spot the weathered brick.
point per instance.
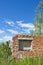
(37, 46)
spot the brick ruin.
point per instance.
(37, 46)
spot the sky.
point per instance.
(16, 17)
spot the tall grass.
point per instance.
(23, 61)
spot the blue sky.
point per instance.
(16, 17)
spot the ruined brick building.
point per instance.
(25, 45)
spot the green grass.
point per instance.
(23, 61)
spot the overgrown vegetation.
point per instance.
(5, 57)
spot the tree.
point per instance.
(38, 20)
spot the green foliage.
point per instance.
(5, 57)
(38, 24)
(5, 51)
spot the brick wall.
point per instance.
(37, 46)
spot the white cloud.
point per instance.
(8, 21)
(11, 23)
(1, 39)
(12, 31)
(1, 31)
(26, 31)
(25, 25)
(6, 38)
